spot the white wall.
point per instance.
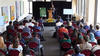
(8, 3)
(91, 12)
(98, 12)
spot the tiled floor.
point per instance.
(51, 45)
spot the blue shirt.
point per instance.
(97, 33)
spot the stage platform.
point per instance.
(49, 24)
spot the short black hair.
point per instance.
(77, 50)
(10, 22)
(98, 41)
(97, 26)
(62, 25)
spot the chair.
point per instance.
(32, 52)
(25, 35)
(65, 45)
(13, 53)
(86, 52)
(36, 30)
(20, 30)
(92, 43)
(71, 51)
(2, 52)
(97, 38)
(7, 43)
(97, 52)
(32, 45)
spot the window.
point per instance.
(98, 12)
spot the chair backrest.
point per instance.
(7, 43)
(32, 53)
(20, 30)
(97, 38)
(86, 52)
(92, 43)
(71, 51)
(2, 52)
(14, 53)
(25, 34)
(32, 45)
(65, 45)
(97, 53)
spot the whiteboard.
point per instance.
(67, 11)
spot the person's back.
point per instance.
(97, 33)
(10, 26)
(77, 52)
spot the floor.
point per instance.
(51, 45)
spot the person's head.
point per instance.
(66, 35)
(97, 27)
(59, 17)
(91, 26)
(16, 19)
(41, 18)
(69, 23)
(81, 26)
(98, 41)
(32, 17)
(85, 38)
(36, 24)
(62, 25)
(77, 50)
(10, 23)
(30, 20)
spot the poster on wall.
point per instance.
(12, 13)
(17, 3)
(2, 20)
(5, 14)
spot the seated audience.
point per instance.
(62, 30)
(16, 22)
(27, 29)
(91, 37)
(30, 23)
(91, 28)
(70, 25)
(33, 20)
(10, 26)
(66, 38)
(59, 19)
(37, 27)
(85, 44)
(96, 47)
(21, 26)
(40, 21)
(97, 33)
(86, 27)
(77, 52)
(82, 30)
(16, 46)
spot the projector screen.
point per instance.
(67, 11)
(43, 12)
